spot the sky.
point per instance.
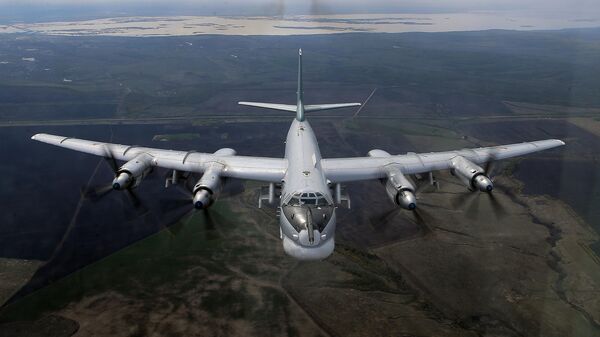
(47, 10)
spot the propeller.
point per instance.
(472, 200)
(497, 206)
(184, 202)
(208, 219)
(491, 165)
(95, 193)
(420, 216)
(465, 199)
(423, 184)
(185, 187)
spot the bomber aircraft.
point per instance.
(308, 186)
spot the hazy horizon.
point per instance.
(55, 10)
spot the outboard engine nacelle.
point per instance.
(400, 189)
(471, 175)
(133, 172)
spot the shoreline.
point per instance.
(161, 26)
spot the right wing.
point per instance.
(366, 168)
(317, 107)
(241, 167)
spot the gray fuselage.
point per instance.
(307, 210)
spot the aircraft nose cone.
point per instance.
(116, 186)
(412, 206)
(198, 205)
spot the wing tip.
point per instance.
(558, 142)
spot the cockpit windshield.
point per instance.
(317, 199)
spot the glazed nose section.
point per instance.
(308, 221)
(309, 237)
(308, 234)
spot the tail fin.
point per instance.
(300, 91)
(299, 108)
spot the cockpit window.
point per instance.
(308, 199)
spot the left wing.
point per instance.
(365, 168)
(241, 167)
(273, 106)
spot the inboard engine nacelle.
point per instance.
(133, 172)
(400, 190)
(207, 189)
(471, 174)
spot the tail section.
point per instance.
(299, 108)
(299, 91)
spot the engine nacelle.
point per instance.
(133, 172)
(207, 189)
(400, 189)
(471, 174)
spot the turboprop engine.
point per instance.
(133, 172)
(471, 175)
(400, 190)
(207, 189)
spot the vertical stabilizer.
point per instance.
(299, 108)
(299, 93)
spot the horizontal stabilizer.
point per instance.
(317, 107)
(274, 106)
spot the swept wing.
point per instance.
(241, 167)
(366, 168)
